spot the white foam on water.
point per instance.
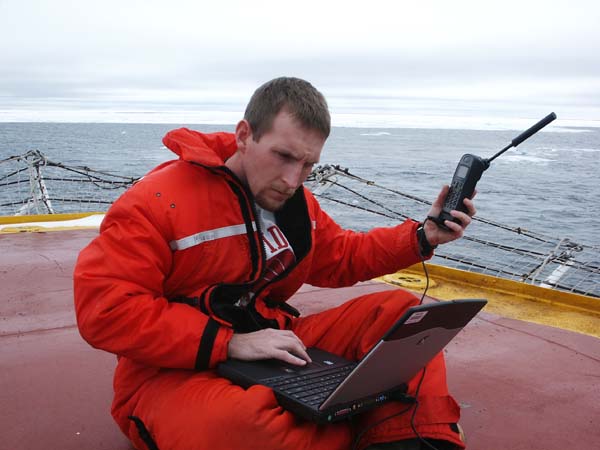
(458, 122)
(566, 149)
(527, 158)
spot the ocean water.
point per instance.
(548, 184)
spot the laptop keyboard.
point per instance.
(311, 388)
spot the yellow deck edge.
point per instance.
(35, 223)
(7, 220)
(39, 229)
(507, 298)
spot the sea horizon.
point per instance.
(338, 120)
(350, 111)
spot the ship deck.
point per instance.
(521, 385)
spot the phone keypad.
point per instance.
(453, 197)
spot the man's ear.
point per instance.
(243, 133)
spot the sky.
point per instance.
(379, 63)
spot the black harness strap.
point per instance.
(206, 344)
(144, 433)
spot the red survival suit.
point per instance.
(160, 285)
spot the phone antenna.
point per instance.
(525, 135)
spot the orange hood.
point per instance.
(211, 149)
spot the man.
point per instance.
(194, 263)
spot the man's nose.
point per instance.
(293, 175)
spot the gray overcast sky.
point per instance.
(433, 56)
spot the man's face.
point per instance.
(279, 163)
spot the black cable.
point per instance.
(412, 417)
(370, 427)
(424, 269)
(414, 399)
(426, 278)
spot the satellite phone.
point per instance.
(469, 170)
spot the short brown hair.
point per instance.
(300, 98)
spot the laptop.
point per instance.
(332, 388)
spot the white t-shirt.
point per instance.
(279, 252)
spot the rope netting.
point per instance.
(33, 184)
(490, 247)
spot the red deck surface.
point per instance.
(521, 386)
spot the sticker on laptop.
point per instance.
(416, 317)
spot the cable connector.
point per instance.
(403, 397)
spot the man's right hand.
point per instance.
(269, 343)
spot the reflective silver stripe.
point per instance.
(210, 235)
(314, 224)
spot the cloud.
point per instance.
(213, 54)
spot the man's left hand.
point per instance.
(437, 235)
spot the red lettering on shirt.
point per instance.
(276, 239)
